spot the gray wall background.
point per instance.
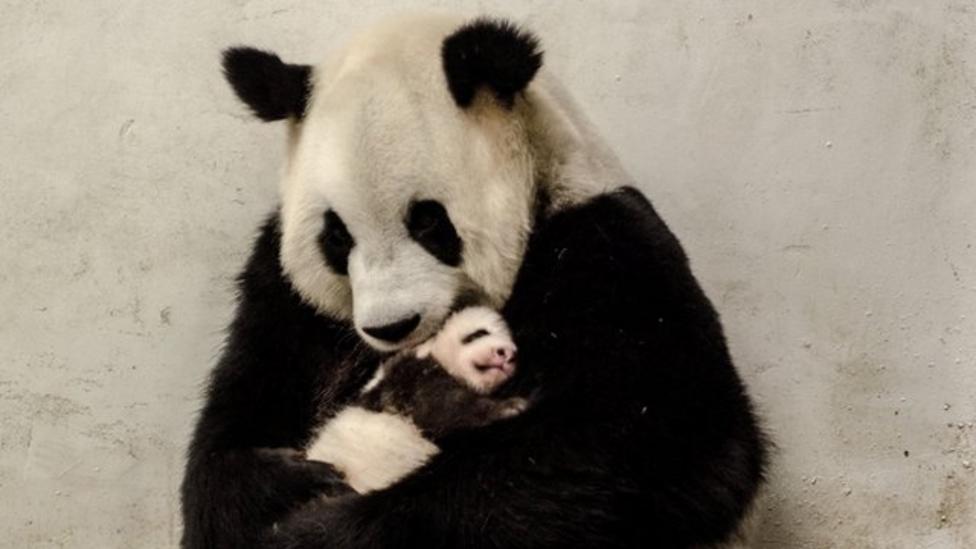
(818, 160)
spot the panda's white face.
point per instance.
(396, 200)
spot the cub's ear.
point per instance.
(271, 88)
(492, 53)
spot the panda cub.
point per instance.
(419, 395)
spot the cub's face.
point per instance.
(402, 192)
(475, 347)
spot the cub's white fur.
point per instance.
(382, 130)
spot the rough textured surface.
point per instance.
(819, 164)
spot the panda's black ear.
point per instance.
(271, 88)
(492, 53)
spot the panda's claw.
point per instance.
(512, 407)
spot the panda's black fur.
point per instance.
(642, 434)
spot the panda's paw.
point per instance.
(512, 407)
(325, 479)
(290, 469)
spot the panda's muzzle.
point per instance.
(394, 332)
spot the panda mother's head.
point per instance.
(410, 177)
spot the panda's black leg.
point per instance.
(250, 489)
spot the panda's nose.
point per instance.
(392, 333)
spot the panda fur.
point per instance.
(642, 435)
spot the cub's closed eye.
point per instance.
(477, 334)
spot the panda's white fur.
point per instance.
(381, 130)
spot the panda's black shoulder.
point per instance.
(264, 288)
(262, 272)
(271, 313)
(625, 212)
(280, 350)
(618, 229)
(607, 312)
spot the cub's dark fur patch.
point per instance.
(273, 89)
(493, 53)
(438, 404)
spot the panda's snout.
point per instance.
(394, 332)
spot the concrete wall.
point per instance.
(818, 159)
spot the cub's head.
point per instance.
(475, 347)
(410, 178)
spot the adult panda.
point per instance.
(428, 162)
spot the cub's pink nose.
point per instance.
(506, 353)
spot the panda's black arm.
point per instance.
(280, 363)
(643, 436)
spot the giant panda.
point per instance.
(430, 160)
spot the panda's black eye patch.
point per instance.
(428, 224)
(336, 243)
(475, 335)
